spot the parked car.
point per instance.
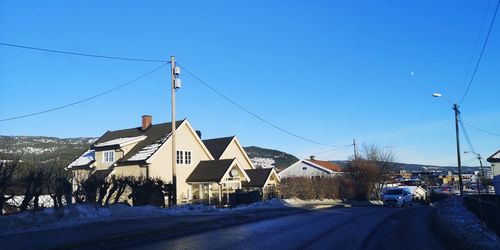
(397, 197)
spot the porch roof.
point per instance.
(210, 171)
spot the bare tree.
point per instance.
(32, 178)
(370, 171)
(58, 185)
(8, 167)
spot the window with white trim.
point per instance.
(108, 156)
(304, 168)
(180, 157)
(187, 157)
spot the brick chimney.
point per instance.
(147, 120)
(311, 157)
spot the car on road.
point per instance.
(397, 197)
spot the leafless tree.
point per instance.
(32, 178)
(370, 171)
(8, 167)
(58, 185)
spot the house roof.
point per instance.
(102, 174)
(258, 177)
(494, 157)
(217, 146)
(210, 171)
(326, 164)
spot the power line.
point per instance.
(86, 99)
(81, 54)
(252, 113)
(481, 54)
(482, 130)
(464, 131)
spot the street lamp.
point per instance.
(457, 112)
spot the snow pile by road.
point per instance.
(461, 228)
(78, 214)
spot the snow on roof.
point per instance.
(147, 151)
(121, 141)
(84, 159)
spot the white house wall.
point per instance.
(296, 170)
(233, 151)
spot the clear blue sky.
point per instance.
(327, 71)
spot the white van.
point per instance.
(398, 197)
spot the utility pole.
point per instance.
(482, 173)
(355, 151)
(174, 152)
(457, 113)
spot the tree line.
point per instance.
(23, 184)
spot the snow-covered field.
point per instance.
(78, 214)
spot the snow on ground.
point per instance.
(456, 223)
(77, 214)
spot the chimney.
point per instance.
(198, 133)
(147, 120)
(311, 157)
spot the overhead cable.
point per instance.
(80, 54)
(85, 99)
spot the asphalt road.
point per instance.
(337, 228)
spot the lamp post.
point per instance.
(459, 162)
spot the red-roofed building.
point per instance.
(311, 168)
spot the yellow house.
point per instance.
(205, 169)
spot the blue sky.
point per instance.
(328, 71)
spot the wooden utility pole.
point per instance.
(174, 152)
(355, 151)
(457, 114)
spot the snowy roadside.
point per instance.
(79, 214)
(460, 228)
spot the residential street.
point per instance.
(337, 228)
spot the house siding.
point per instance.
(296, 170)
(161, 163)
(234, 151)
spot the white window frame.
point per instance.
(186, 157)
(304, 168)
(108, 156)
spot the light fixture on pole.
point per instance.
(457, 135)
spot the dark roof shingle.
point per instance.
(210, 171)
(217, 146)
(258, 177)
(153, 134)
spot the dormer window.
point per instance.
(108, 156)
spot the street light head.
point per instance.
(437, 95)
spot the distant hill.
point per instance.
(266, 158)
(64, 150)
(45, 149)
(422, 167)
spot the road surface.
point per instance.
(337, 228)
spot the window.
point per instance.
(108, 156)
(187, 158)
(304, 168)
(180, 157)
